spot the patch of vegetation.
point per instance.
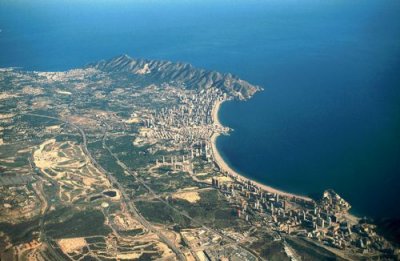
(136, 157)
(39, 122)
(81, 223)
(146, 257)
(158, 212)
(92, 240)
(171, 182)
(22, 232)
(107, 161)
(133, 232)
(269, 249)
(205, 177)
(212, 210)
(309, 251)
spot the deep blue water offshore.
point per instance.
(330, 113)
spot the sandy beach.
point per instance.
(226, 168)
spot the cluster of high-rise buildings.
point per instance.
(188, 125)
(326, 221)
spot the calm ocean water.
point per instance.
(330, 113)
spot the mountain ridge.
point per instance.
(185, 73)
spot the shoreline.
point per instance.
(224, 167)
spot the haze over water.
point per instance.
(330, 113)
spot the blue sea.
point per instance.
(329, 116)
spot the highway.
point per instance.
(43, 212)
(124, 196)
(155, 195)
(132, 208)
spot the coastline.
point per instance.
(228, 169)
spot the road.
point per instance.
(155, 195)
(132, 208)
(129, 203)
(43, 212)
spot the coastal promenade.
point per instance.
(224, 167)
